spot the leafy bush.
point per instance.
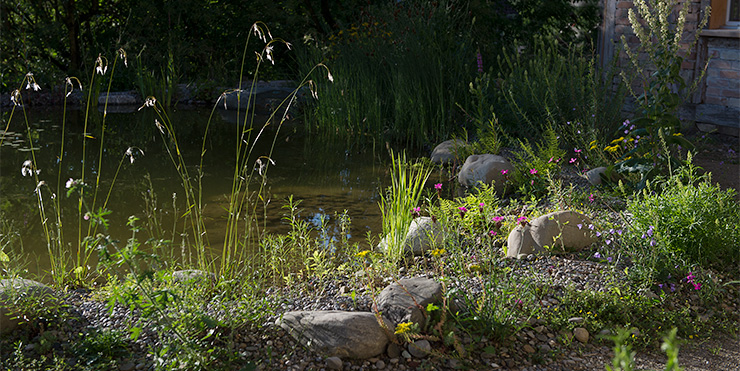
(688, 217)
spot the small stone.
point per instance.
(140, 366)
(393, 350)
(453, 364)
(528, 348)
(406, 354)
(575, 319)
(581, 334)
(420, 348)
(128, 366)
(545, 348)
(393, 361)
(334, 363)
(380, 365)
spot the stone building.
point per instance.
(715, 105)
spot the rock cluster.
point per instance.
(560, 230)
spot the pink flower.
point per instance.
(438, 186)
(504, 172)
(492, 233)
(576, 150)
(498, 218)
(533, 171)
(591, 197)
(572, 160)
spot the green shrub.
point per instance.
(687, 217)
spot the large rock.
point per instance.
(561, 230)
(339, 334)
(488, 169)
(398, 301)
(448, 151)
(12, 289)
(125, 98)
(193, 276)
(424, 234)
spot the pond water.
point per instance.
(327, 179)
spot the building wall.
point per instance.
(715, 104)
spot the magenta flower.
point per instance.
(438, 186)
(498, 218)
(504, 172)
(492, 233)
(533, 171)
(572, 160)
(462, 210)
(591, 197)
(522, 220)
(576, 150)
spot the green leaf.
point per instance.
(4, 257)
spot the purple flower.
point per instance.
(609, 259)
(479, 58)
(608, 242)
(597, 255)
(579, 226)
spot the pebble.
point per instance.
(581, 334)
(420, 348)
(334, 363)
(379, 364)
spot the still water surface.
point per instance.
(328, 179)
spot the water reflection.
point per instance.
(326, 178)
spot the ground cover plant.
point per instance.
(663, 265)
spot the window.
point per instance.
(733, 14)
(725, 14)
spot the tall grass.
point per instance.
(398, 203)
(547, 85)
(399, 74)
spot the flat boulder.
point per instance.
(561, 230)
(448, 151)
(398, 301)
(487, 169)
(423, 235)
(594, 175)
(341, 334)
(12, 291)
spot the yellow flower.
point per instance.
(362, 254)
(612, 149)
(617, 140)
(593, 143)
(437, 252)
(403, 328)
(677, 134)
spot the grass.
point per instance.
(486, 296)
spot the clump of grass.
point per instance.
(400, 72)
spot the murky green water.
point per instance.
(326, 178)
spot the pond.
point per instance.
(327, 179)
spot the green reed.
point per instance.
(401, 71)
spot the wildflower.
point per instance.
(122, 55)
(492, 233)
(403, 328)
(31, 82)
(462, 210)
(479, 58)
(518, 302)
(591, 227)
(362, 254)
(576, 150)
(149, 102)
(101, 67)
(572, 160)
(130, 153)
(15, 97)
(580, 226)
(27, 169)
(533, 171)
(437, 252)
(609, 259)
(522, 220)
(438, 186)
(268, 53)
(68, 82)
(87, 216)
(416, 212)
(159, 126)
(504, 172)
(597, 255)
(697, 286)
(70, 183)
(608, 242)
